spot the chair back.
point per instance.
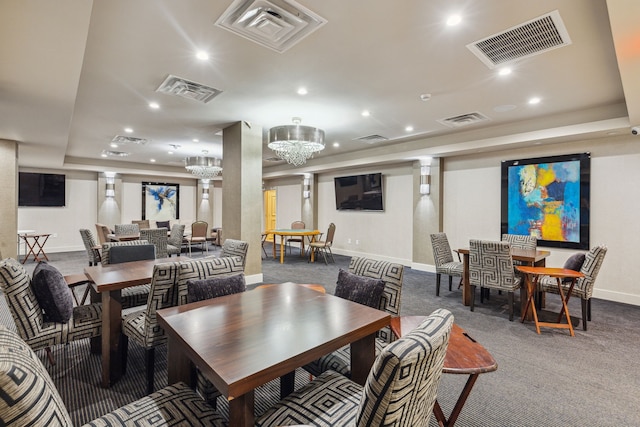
(119, 254)
(103, 232)
(441, 249)
(177, 234)
(159, 238)
(392, 275)
(521, 241)
(490, 265)
(204, 269)
(106, 248)
(402, 385)
(126, 229)
(199, 229)
(89, 245)
(297, 225)
(590, 268)
(142, 223)
(232, 247)
(330, 233)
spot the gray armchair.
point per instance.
(133, 296)
(174, 242)
(443, 258)
(93, 249)
(232, 247)
(159, 238)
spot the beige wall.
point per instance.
(9, 191)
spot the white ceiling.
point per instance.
(75, 73)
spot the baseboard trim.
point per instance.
(423, 267)
(253, 278)
(405, 262)
(616, 296)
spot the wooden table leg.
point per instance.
(281, 249)
(111, 345)
(564, 306)
(453, 417)
(180, 367)
(287, 384)
(363, 354)
(241, 410)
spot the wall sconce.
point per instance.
(425, 179)
(205, 189)
(306, 187)
(110, 187)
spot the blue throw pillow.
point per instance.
(198, 290)
(52, 292)
(360, 289)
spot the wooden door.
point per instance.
(270, 212)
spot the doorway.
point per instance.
(270, 212)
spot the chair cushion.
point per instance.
(163, 224)
(574, 262)
(360, 289)
(53, 293)
(198, 290)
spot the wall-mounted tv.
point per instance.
(41, 189)
(359, 192)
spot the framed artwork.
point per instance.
(160, 201)
(548, 197)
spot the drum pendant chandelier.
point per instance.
(203, 167)
(296, 143)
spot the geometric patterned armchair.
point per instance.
(174, 242)
(158, 237)
(491, 266)
(391, 274)
(30, 397)
(85, 321)
(584, 285)
(400, 389)
(521, 241)
(126, 229)
(444, 260)
(93, 250)
(232, 247)
(133, 296)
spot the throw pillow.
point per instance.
(52, 292)
(198, 290)
(360, 289)
(574, 262)
(162, 224)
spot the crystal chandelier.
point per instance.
(296, 143)
(203, 167)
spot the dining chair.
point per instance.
(176, 237)
(132, 296)
(216, 236)
(443, 258)
(142, 326)
(400, 389)
(198, 235)
(583, 287)
(324, 246)
(93, 250)
(142, 223)
(232, 247)
(296, 225)
(126, 229)
(263, 241)
(103, 233)
(392, 276)
(36, 329)
(159, 238)
(491, 266)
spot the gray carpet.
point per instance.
(542, 380)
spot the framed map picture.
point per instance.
(160, 201)
(548, 197)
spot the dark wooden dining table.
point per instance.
(533, 257)
(244, 340)
(108, 281)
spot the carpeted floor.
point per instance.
(550, 379)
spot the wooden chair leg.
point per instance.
(437, 284)
(511, 306)
(450, 282)
(589, 309)
(150, 354)
(473, 296)
(585, 313)
(52, 361)
(124, 348)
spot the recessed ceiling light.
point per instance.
(113, 145)
(366, 113)
(504, 71)
(169, 152)
(302, 91)
(202, 55)
(534, 100)
(409, 129)
(425, 97)
(103, 155)
(195, 140)
(128, 130)
(154, 105)
(336, 144)
(454, 20)
(152, 160)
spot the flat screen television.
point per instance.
(41, 189)
(359, 192)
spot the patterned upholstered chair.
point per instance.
(491, 266)
(142, 326)
(444, 260)
(584, 286)
(93, 249)
(159, 238)
(400, 390)
(126, 229)
(30, 397)
(232, 247)
(133, 296)
(521, 241)
(174, 242)
(85, 322)
(391, 274)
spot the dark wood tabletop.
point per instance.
(244, 340)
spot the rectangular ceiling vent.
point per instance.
(371, 139)
(275, 24)
(178, 86)
(121, 139)
(464, 120)
(273, 159)
(534, 37)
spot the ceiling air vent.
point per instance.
(120, 139)
(273, 159)
(537, 36)
(112, 153)
(464, 120)
(276, 24)
(371, 139)
(178, 86)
